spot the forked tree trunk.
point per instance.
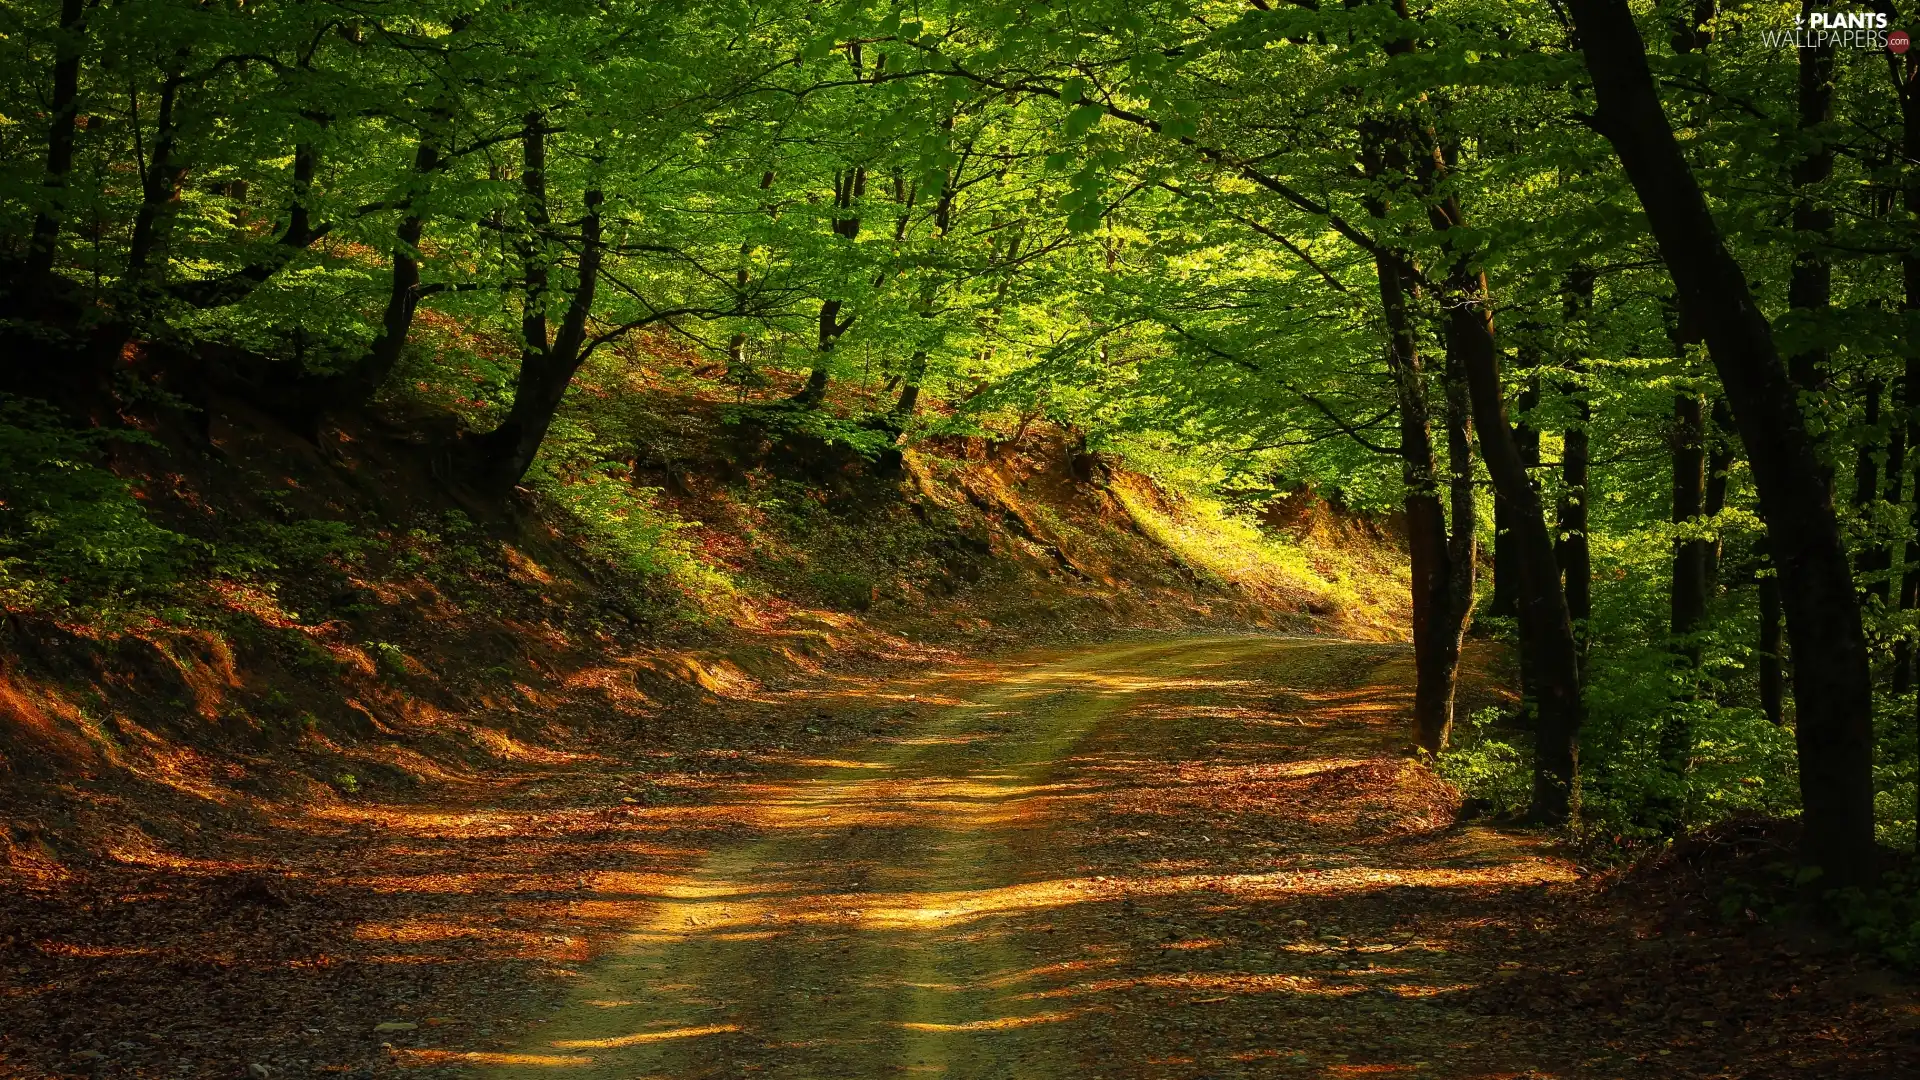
(159, 191)
(1832, 688)
(502, 457)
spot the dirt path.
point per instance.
(1199, 858)
(1041, 880)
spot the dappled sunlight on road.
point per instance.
(1044, 879)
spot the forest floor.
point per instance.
(1158, 857)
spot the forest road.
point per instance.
(1202, 857)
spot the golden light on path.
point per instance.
(641, 1037)
(883, 915)
(1002, 1023)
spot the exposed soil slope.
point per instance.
(352, 628)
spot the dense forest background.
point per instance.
(1610, 309)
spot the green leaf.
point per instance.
(1082, 118)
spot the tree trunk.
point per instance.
(403, 292)
(910, 390)
(848, 186)
(1721, 443)
(1689, 594)
(1439, 613)
(1556, 742)
(1873, 560)
(1505, 603)
(1832, 690)
(1688, 606)
(1772, 663)
(1575, 557)
(1464, 512)
(159, 192)
(1810, 285)
(44, 242)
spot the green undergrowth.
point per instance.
(73, 534)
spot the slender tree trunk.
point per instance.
(535, 263)
(910, 388)
(1873, 559)
(44, 242)
(1548, 647)
(1689, 594)
(1526, 438)
(159, 192)
(1550, 629)
(1576, 560)
(1688, 440)
(1897, 435)
(737, 345)
(1721, 442)
(1832, 688)
(1463, 509)
(1810, 285)
(1505, 602)
(1772, 662)
(403, 291)
(848, 186)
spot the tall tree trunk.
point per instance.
(737, 345)
(1832, 690)
(44, 242)
(1688, 440)
(1550, 653)
(1439, 615)
(1505, 602)
(1463, 510)
(1544, 603)
(1906, 78)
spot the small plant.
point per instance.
(348, 783)
(390, 659)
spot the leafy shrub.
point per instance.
(71, 532)
(869, 441)
(1487, 770)
(843, 590)
(303, 545)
